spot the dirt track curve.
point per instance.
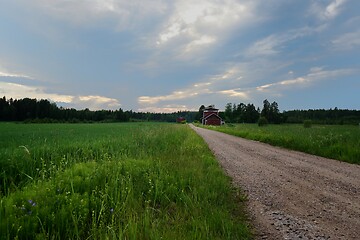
(292, 195)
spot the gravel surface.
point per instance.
(292, 195)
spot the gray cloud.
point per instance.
(168, 55)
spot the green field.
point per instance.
(332, 141)
(114, 181)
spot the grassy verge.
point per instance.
(114, 181)
(337, 142)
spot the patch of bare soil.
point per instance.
(292, 195)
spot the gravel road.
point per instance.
(292, 195)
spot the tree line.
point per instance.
(323, 116)
(248, 113)
(33, 110)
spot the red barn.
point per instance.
(211, 116)
(181, 120)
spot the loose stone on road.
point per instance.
(292, 195)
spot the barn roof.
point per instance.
(212, 114)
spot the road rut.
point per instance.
(291, 195)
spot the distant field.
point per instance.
(338, 142)
(113, 181)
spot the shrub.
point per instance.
(307, 124)
(263, 121)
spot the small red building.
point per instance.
(211, 116)
(181, 120)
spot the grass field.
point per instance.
(114, 181)
(338, 142)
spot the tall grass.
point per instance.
(338, 142)
(114, 181)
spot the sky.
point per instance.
(175, 55)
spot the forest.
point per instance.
(41, 111)
(247, 113)
(44, 111)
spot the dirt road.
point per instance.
(292, 195)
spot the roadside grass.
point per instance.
(114, 181)
(339, 142)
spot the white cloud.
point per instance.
(14, 75)
(353, 22)
(316, 69)
(176, 95)
(212, 84)
(315, 74)
(166, 109)
(238, 93)
(333, 9)
(209, 89)
(272, 44)
(17, 91)
(266, 46)
(235, 81)
(233, 72)
(125, 14)
(326, 12)
(196, 24)
(347, 41)
(204, 40)
(96, 102)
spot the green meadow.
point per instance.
(114, 181)
(341, 142)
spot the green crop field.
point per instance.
(332, 141)
(114, 181)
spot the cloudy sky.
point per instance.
(170, 55)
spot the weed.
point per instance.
(117, 181)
